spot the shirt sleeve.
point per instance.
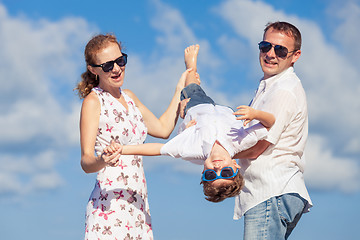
(282, 104)
(185, 145)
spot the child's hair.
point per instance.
(223, 191)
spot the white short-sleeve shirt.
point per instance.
(280, 168)
(213, 122)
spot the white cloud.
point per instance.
(40, 59)
(39, 66)
(22, 174)
(324, 170)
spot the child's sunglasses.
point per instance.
(211, 175)
(108, 66)
(280, 51)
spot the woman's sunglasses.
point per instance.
(211, 175)
(108, 66)
(280, 51)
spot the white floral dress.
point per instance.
(118, 206)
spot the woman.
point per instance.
(118, 206)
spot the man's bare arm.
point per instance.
(253, 152)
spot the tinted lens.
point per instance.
(106, 67)
(209, 175)
(121, 61)
(227, 172)
(281, 51)
(265, 46)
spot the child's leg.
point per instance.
(192, 88)
(190, 56)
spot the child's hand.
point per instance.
(190, 124)
(111, 154)
(248, 113)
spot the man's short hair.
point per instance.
(223, 191)
(288, 29)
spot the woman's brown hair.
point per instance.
(88, 79)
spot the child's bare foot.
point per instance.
(190, 55)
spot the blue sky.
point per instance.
(43, 190)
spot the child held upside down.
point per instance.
(210, 134)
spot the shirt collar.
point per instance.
(264, 84)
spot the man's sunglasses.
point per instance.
(211, 175)
(108, 66)
(280, 51)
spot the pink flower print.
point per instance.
(120, 195)
(128, 237)
(142, 207)
(134, 126)
(109, 128)
(107, 230)
(108, 182)
(132, 197)
(103, 208)
(123, 178)
(140, 222)
(139, 237)
(131, 211)
(99, 131)
(93, 213)
(105, 215)
(106, 113)
(144, 181)
(96, 227)
(143, 133)
(136, 177)
(122, 166)
(149, 225)
(118, 116)
(118, 223)
(122, 206)
(115, 139)
(136, 161)
(125, 132)
(103, 197)
(128, 226)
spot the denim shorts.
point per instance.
(196, 94)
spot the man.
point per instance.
(274, 196)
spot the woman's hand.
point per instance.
(111, 154)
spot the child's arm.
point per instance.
(146, 149)
(249, 113)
